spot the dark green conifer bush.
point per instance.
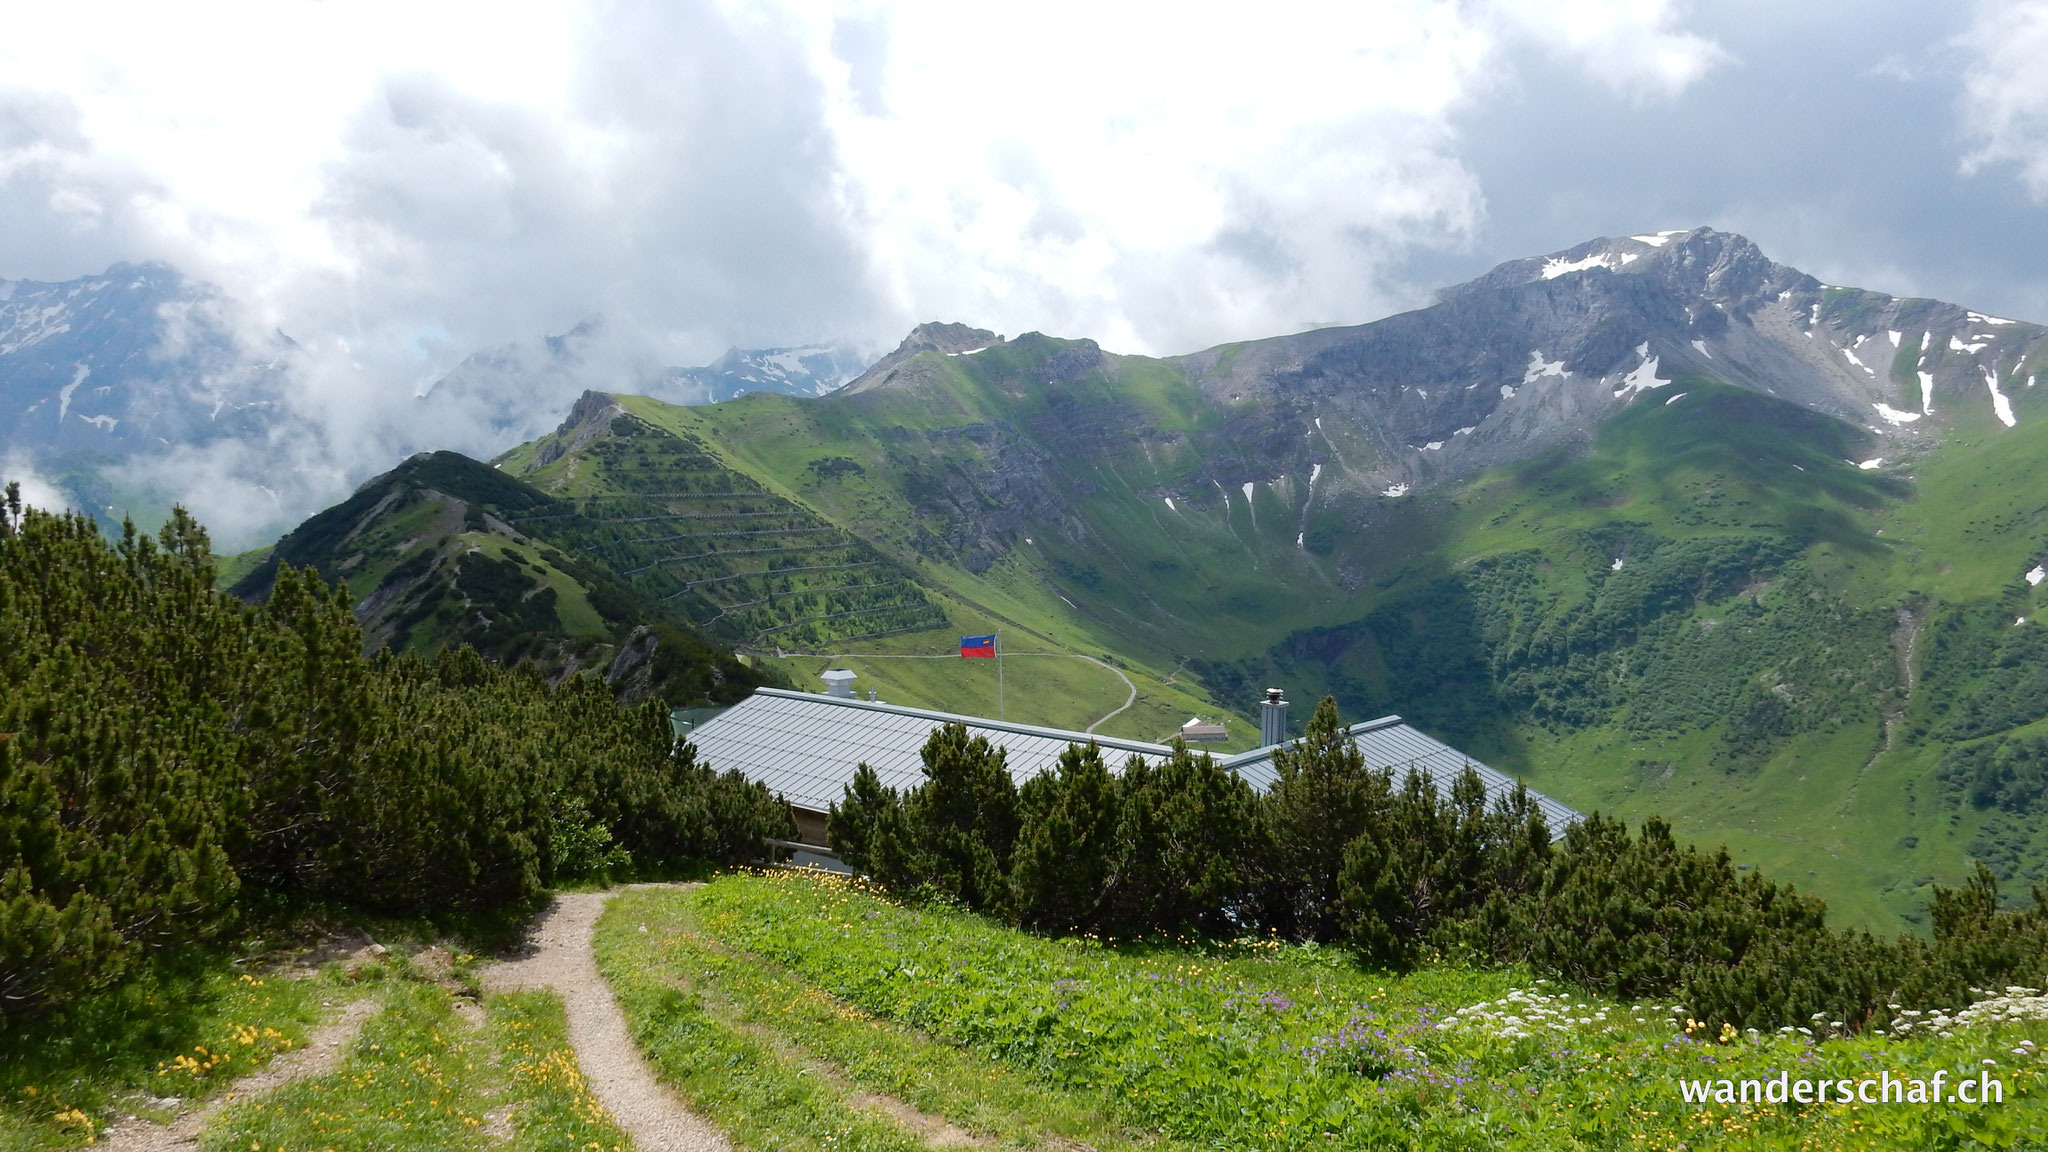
(1066, 846)
(1187, 848)
(166, 751)
(1338, 851)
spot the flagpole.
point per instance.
(1000, 714)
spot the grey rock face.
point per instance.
(1537, 352)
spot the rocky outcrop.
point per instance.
(590, 417)
(945, 339)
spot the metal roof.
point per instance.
(806, 747)
(1389, 742)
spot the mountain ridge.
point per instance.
(1654, 521)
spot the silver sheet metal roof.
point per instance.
(1388, 742)
(806, 746)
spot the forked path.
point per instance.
(559, 958)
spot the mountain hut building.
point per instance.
(805, 747)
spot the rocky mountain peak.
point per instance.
(1723, 267)
(947, 339)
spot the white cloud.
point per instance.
(2005, 91)
(398, 184)
(36, 491)
(1163, 184)
(1637, 47)
(442, 177)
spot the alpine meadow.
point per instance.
(1722, 586)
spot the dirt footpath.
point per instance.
(558, 958)
(322, 1053)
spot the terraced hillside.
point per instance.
(431, 560)
(715, 545)
(800, 589)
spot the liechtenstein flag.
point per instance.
(977, 645)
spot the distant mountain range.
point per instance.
(1655, 521)
(127, 362)
(137, 363)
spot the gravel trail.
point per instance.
(558, 958)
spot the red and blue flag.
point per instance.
(977, 645)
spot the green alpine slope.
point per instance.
(432, 560)
(1713, 609)
(801, 591)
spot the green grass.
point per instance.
(1259, 1044)
(420, 1076)
(182, 1034)
(1041, 684)
(779, 1063)
(231, 569)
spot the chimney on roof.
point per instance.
(839, 683)
(1272, 719)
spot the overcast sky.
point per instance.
(397, 183)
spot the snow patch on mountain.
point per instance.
(64, 393)
(1926, 392)
(1955, 344)
(26, 327)
(1539, 368)
(1557, 266)
(1644, 377)
(1891, 415)
(2000, 404)
(1981, 318)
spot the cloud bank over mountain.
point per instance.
(396, 187)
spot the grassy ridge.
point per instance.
(771, 603)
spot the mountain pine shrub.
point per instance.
(166, 752)
(1335, 851)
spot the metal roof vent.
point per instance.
(1272, 719)
(839, 683)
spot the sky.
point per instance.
(399, 184)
